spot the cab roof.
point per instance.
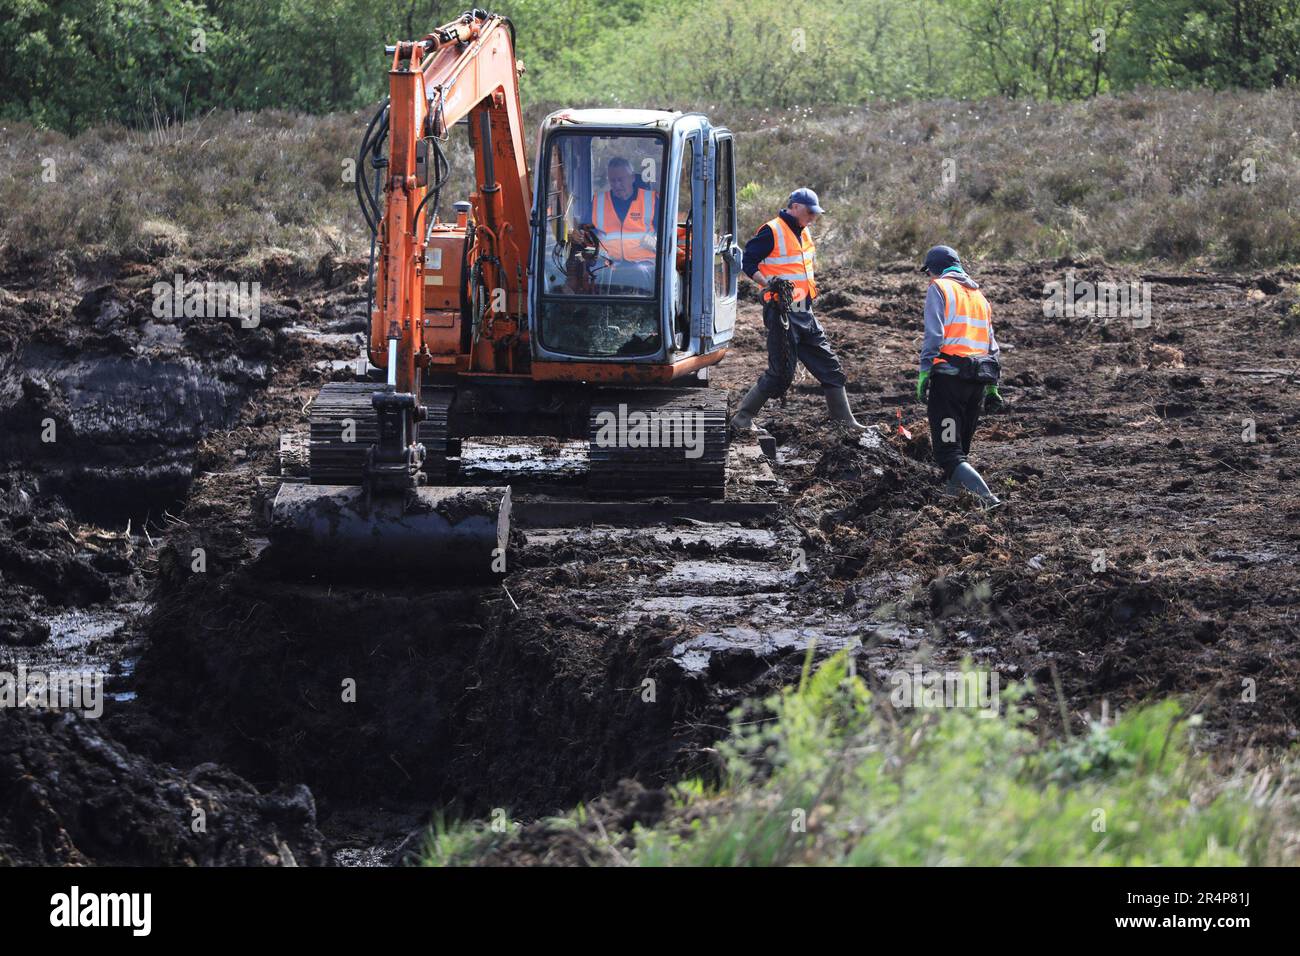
(613, 117)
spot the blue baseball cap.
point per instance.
(940, 258)
(806, 197)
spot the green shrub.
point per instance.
(824, 774)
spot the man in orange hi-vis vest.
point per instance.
(625, 216)
(959, 369)
(783, 249)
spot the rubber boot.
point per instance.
(838, 403)
(742, 423)
(965, 476)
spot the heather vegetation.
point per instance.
(1189, 177)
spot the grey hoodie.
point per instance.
(934, 312)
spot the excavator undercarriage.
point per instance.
(645, 442)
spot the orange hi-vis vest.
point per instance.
(792, 258)
(625, 239)
(966, 320)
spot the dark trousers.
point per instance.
(804, 341)
(954, 411)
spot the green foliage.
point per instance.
(70, 63)
(1044, 48)
(822, 775)
(76, 62)
(446, 843)
(309, 55)
(1215, 43)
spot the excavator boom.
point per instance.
(374, 512)
(465, 70)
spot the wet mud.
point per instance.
(1148, 548)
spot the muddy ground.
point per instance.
(1147, 549)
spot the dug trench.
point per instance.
(108, 414)
(1147, 550)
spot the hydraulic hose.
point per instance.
(442, 171)
(367, 196)
(365, 199)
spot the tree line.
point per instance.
(69, 64)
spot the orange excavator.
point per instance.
(591, 306)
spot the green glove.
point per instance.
(922, 386)
(992, 399)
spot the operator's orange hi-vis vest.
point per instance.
(966, 320)
(626, 239)
(792, 258)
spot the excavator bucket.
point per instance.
(436, 534)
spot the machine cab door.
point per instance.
(726, 252)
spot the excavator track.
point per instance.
(342, 411)
(689, 425)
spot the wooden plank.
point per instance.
(748, 465)
(544, 512)
(292, 454)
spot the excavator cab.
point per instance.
(635, 242)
